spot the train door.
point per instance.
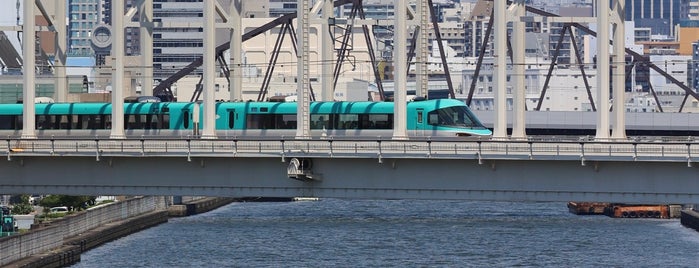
(419, 122)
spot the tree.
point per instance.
(73, 202)
(21, 205)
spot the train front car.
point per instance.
(444, 118)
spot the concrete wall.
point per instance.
(45, 238)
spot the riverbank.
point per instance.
(198, 206)
(71, 246)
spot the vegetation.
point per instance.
(21, 205)
(73, 202)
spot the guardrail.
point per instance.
(584, 149)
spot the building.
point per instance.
(84, 17)
(690, 9)
(693, 69)
(659, 15)
(278, 8)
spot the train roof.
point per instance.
(249, 107)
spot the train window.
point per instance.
(321, 121)
(288, 121)
(253, 121)
(149, 122)
(106, 121)
(57, 121)
(69, 121)
(164, 121)
(80, 121)
(86, 122)
(261, 121)
(142, 121)
(152, 121)
(452, 116)
(375, 121)
(364, 122)
(137, 121)
(186, 119)
(231, 118)
(43, 121)
(7, 121)
(348, 121)
(93, 121)
(19, 122)
(271, 121)
(129, 121)
(381, 121)
(433, 118)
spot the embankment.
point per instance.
(61, 242)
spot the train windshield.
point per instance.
(456, 116)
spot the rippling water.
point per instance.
(399, 233)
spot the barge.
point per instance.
(616, 210)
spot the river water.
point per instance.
(401, 233)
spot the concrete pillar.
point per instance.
(619, 77)
(303, 80)
(117, 70)
(421, 78)
(518, 90)
(602, 69)
(399, 73)
(29, 60)
(61, 93)
(209, 130)
(147, 48)
(236, 68)
(327, 55)
(500, 69)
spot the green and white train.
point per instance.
(427, 118)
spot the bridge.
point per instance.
(514, 167)
(642, 171)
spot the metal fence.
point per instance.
(630, 150)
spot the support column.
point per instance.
(29, 60)
(236, 61)
(619, 69)
(117, 70)
(602, 69)
(209, 64)
(500, 70)
(421, 78)
(303, 81)
(399, 73)
(147, 47)
(519, 88)
(328, 45)
(61, 93)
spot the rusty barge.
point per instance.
(617, 210)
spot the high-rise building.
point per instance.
(85, 16)
(690, 10)
(176, 47)
(659, 15)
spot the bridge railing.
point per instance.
(442, 148)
